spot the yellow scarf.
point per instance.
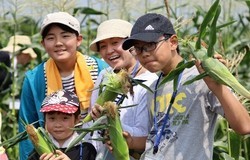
(82, 77)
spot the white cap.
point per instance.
(111, 28)
(62, 18)
(13, 46)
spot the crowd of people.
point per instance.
(178, 124)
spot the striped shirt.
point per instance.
(68, 82)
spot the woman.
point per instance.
(135, 120)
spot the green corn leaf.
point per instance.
(212, 34)
(199, 77)
(14, 140)
(175, 73)
(209, 16)
(138, 82)
(79, 138)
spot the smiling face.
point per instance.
(60, 44)
(112, 52)
(58, 124)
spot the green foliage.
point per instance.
(232, 40)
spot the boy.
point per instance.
(61, 113)
(189, 133)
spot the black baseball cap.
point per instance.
(149, 28)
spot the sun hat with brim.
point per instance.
(110, 29)
(61, 18)
(61, 101)
(149, 28)
(14, 45)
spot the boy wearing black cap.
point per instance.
(62, 112)
(191, 118)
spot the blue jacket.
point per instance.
(32, 95)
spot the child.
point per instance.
(190, 131)
(61, 113)
(65, 69)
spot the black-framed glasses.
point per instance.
(148, 47)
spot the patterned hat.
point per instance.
(61, 101)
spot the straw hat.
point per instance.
(13, 46)
(111, 28)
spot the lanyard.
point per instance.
(135, 69)
(81, 155)
(166, 116)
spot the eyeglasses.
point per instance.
(148, 47)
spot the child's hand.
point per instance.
(50, 156)
(211, 83)
(96, 111)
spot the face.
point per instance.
(160, 58)
(23, 58)
(61, 45)
(111, 51)
(58, 125)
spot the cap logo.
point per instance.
(149, 27)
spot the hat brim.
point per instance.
(29, 51)
(59, 108)
(93, 45)
(58, 22)
(145, 37)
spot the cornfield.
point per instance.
(24, 18)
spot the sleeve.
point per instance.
(32, 94)
(141, 117)
(27, 114)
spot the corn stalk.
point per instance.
(119, 83)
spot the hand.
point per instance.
(125, 134)
(128, 138)
(96, 111)
(220, 58)
(50, 156)
(211, 83)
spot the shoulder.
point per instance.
(38, 69)
(92, 60)
(149, 76)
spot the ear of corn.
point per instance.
(118, 142)
(116, 84)
(216, 70)
(212, 67)
(119, 83)
(40, 140)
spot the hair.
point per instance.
(62, 26)
(168, 36)
(76, 114)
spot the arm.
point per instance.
(137, 143)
